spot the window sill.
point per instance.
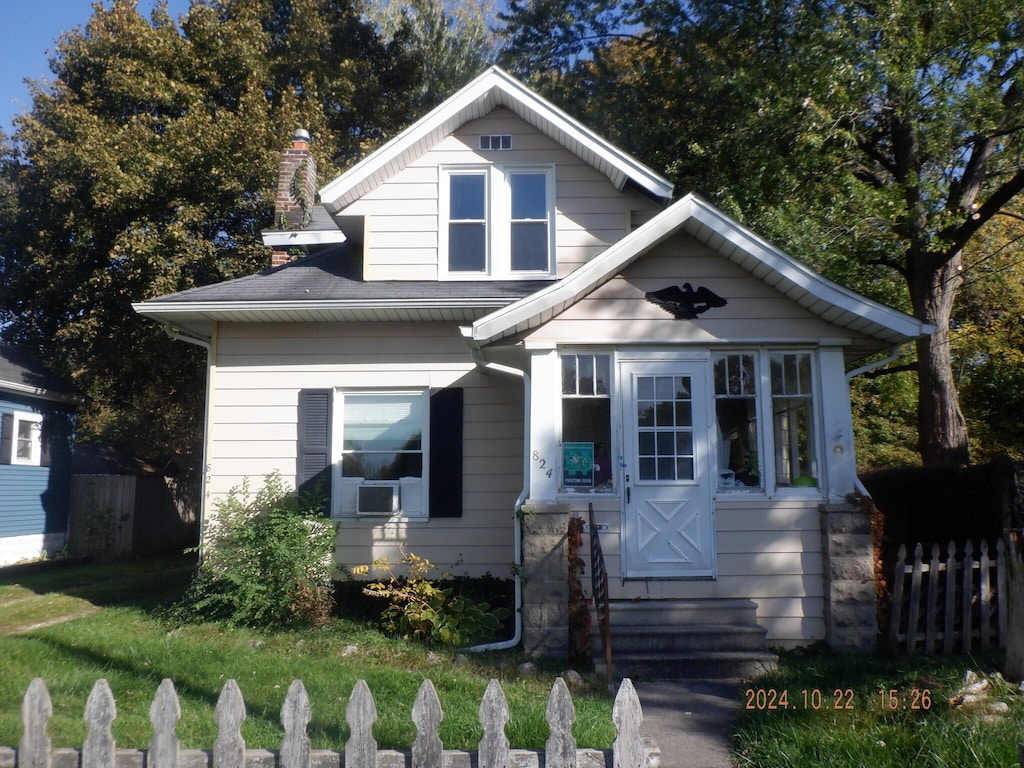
(378, 519)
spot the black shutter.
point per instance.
(314, 445)
(446, 452)
(6, 443)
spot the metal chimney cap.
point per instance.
(301, 134)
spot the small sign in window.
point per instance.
(578, 465)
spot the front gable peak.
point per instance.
(494, 88)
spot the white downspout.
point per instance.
(517, 634)
(206, 344)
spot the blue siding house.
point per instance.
(36, 427)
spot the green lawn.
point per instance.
(119, 633)
(884, 717)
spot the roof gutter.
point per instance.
(517, 526)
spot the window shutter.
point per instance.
(446, 452)
(313, 470)
(6, 446)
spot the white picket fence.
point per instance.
(229, 750)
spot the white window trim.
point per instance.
(340, 497)
(498, 213)
(766, 442)
(36, 458)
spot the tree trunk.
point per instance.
(942, 431)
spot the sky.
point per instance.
(27, 38)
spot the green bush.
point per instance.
(267, 560)
(423, 610)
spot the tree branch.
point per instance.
(879, 372)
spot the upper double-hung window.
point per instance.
(497, 222)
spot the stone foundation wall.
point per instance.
(850, 620)
(545, 580)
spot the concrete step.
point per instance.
(668, 639)
(684, 639)
(718, 665)
(682, 612)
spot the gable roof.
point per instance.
(20, 374)
(828, 300)
(492, 89)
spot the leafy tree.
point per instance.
(876, 140)
(147, 167)
(452, 39)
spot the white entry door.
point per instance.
(668, 527)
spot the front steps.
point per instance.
(668, 639)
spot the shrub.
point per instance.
(423, 610)
(267, 560)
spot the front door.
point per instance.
(668, 527)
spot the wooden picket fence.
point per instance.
(949, 606)
(229, 750)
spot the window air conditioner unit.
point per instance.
(377, 499)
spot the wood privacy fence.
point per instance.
(229, 750)
(949, 606)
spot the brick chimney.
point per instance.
(296, 191)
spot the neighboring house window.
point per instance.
(736, 411)
(497, 222)
(771, 388)
(22, 438)
(384, 436)
(586, 423)
(793, 420)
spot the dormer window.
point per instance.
(497, 222)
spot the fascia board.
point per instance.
(544, 304)
(801, 275)
(450, 114)
(582, 281)
(42, 394)
(282, 237)
(210, 309)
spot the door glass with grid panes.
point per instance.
(668, 529)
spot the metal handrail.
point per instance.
(599, 586)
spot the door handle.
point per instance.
(627, 489)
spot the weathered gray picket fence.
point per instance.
(229, 750)
(946, 606)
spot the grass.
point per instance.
(120, 632)
(870, 733)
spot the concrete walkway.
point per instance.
(689, 719)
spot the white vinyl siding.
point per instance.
(619, 311)
(768, 552)
(258, 372)
(403, 215)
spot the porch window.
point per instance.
(586, 423)
(739, 465)
(793, 420)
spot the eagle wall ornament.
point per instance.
(686, 303)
